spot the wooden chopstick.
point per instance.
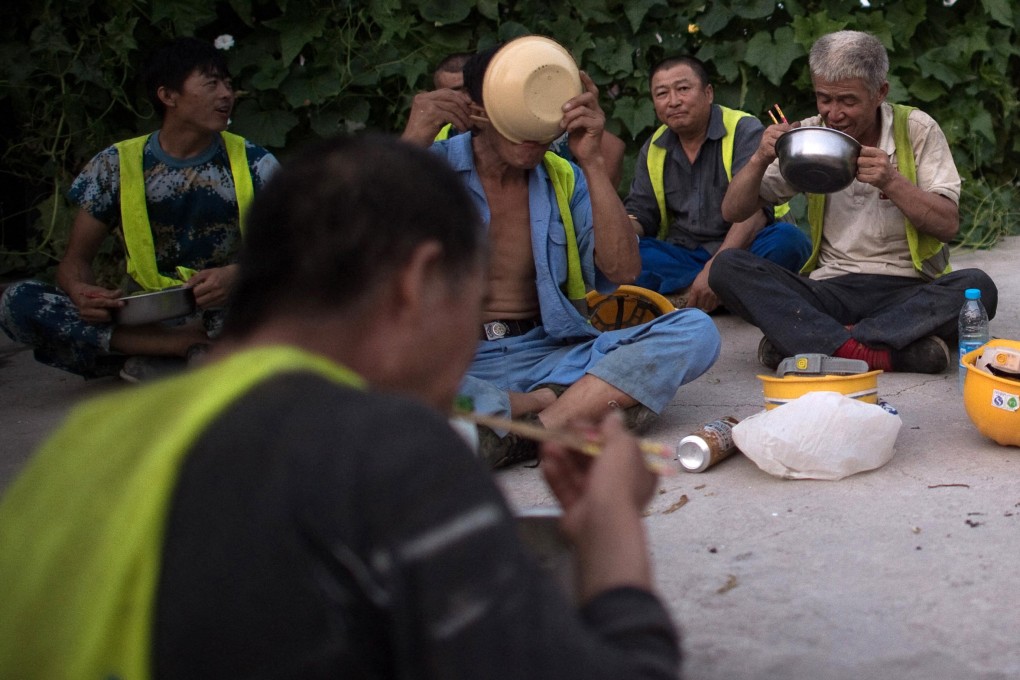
(659, 457)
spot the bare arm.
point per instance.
(740, 235)
(75, 275)
(742, 197)
(930, 213)
(430, 111)
(613, 149)
(616, 248)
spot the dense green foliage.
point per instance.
(311, 69)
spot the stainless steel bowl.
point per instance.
(160, 305)
(818, 160)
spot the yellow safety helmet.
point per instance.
(627, 306)
(993, 401)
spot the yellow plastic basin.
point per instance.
(778, 391)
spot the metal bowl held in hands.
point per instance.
(160, 305)
(818, 160)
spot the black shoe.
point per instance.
(768, 355)
(500, 452)
(927, 355)
(638, 418)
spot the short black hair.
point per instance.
(695, 64)
(340, 217)
(171, 64)
(452, 63)
(474, 72)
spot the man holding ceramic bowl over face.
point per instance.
(557, 229)
(879, 286)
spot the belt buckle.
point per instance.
(494, 330)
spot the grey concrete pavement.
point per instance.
(911, 571)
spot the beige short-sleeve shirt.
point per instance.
(864, 231)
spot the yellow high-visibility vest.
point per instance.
(134, 214)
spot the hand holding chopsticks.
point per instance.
(782, 117)
(658, 457)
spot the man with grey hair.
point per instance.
(879, 286)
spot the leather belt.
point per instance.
(507, 328)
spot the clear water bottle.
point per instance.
(973, 327)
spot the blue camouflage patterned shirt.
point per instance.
(191, 203)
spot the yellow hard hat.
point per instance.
(993, 401)
(625, 307)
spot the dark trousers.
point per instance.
(800, 315)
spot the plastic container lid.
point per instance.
(973, 294)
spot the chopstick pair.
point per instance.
(782, 117)
(658, 457)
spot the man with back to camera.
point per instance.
(546, 363)
(880, 287)
(298, 506)
(175, 200)
(680, 178)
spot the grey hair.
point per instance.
(846, 55)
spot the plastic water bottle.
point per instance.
(973, 327)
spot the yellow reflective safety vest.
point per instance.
(561, 173)
(134, 215)
(82, 527)
(929, 255)
(656, 161)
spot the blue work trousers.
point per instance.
(668, 268)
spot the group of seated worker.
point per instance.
(297, 504)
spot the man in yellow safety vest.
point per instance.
(176, 200)
(679, 182)
(878, 287)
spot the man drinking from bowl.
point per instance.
(556, 230)
(879, 286)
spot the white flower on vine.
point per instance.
(224, 42)
(301, 59)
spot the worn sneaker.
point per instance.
(146, 369)
(678, 299)
(768, 355)
(500, 452)
(638, 418)
(927, 355)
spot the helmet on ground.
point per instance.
(991, 391)
(625, 307)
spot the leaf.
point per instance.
(773, 56)
(716, 19)
(753, 9)
(296, 32)
(185, 15)
(634, 114)
(443, 12)
(926, 90)
(509, 30)
(266, 128)
(270, 74)
(1000, 10)
(636, 11)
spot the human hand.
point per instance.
(95, 303)
(874, 167)
(700, 296)
(766, 151)
(584, 120)
(615, 483)
(430, 111)
(212, 286)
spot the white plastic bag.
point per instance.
(821, 435)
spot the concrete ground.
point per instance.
(907, 572)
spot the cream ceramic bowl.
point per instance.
(525, 87)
